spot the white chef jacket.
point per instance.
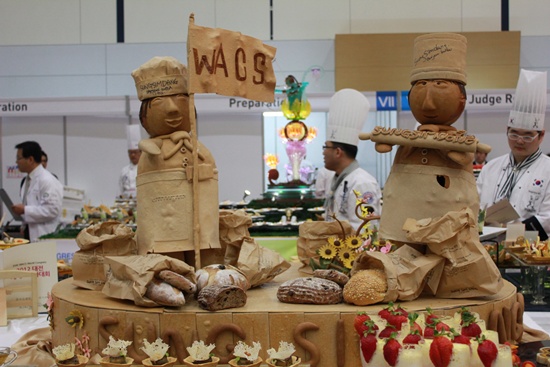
(127, 181)
(44, 202)
(531, 194)
(322, 182)
(345, 200)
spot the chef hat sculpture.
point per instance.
(160, 76)
(529, 106)
(133, 136)
(347, 113)
(439, 56)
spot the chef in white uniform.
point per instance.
(41, 194)
(347, 113)
(523, 175)
(127, 179)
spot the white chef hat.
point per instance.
(529, 104)
(133, 135)
(347, 113)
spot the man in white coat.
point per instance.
(41, 194)
(347, 113)
(127, 179)
(523, 175)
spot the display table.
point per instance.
(533, 274)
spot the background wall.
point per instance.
(82, 49)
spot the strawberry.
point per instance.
(429, 332)
(430, 316)
(441, 350)
(385, 313)
(434, 326)
(397, 320)
(368, 346)
(487, 351)
(401, 310)
(414, 326)
(412, 338)
(391, 350)
(469, 325)
(388, 330)
(460, 339)
(359, 321)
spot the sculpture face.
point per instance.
(167, 114)
(437, 101)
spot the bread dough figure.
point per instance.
(165, 169)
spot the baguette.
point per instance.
(178, 281)
(164, 294)
(336, 276)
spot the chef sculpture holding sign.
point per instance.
(165, 169)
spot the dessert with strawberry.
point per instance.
(487, 351)
(441, 350)
(470, 327)
(392, 349)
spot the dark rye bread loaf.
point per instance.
(219, 297)
(310, 290)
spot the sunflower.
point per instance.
(346, 255)
(328, 251)
(336, 242)
(348, 263)
(353, 241)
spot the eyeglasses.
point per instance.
(17, 159)
(525, 138)
(327, 147)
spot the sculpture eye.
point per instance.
(443, 181)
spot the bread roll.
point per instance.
(220, 297)
(310, 290)
(366, 287)
(336, 276)
(218, 274)
(164, 294)
(178, 281)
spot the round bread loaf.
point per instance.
(218, 274)
(317, 291)
(366, 287)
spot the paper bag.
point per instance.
(260, 264)
(128, 276)
(313, 235)
(233, 229)
(96, 242)
(469, 270)
(408, 271)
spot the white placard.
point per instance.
(35, 256)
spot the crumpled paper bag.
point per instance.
(110, 238)
(260, 264)
(469, 270)
(313, 235)
(233, 229)
(408, 271)
(128, 276)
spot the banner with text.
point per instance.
(229, 63)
